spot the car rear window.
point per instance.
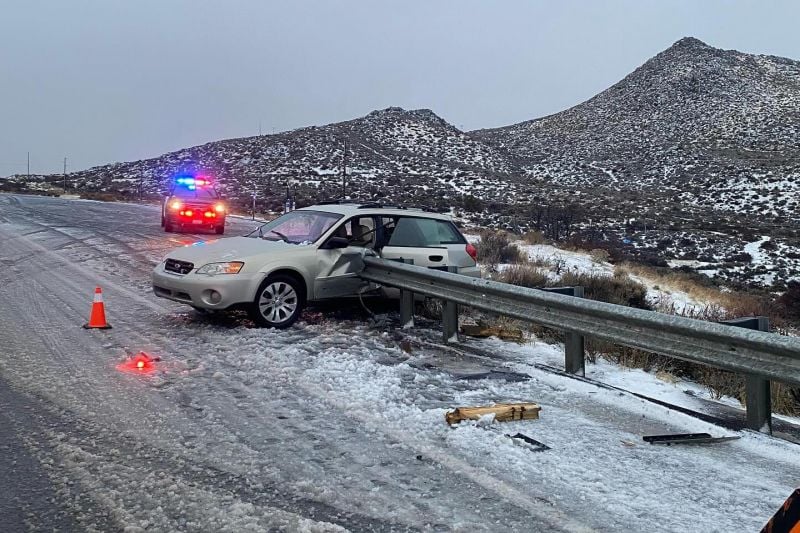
(203, 193)
(424, 232)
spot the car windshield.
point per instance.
(297, 227)
(203, 193)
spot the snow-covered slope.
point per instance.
(690, 157)
(694, 120)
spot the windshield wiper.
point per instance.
(281, 235)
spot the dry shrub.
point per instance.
(495, 247)
(524, 276)
(598, 255)
(101, 196)
(617, 289)
(533, 237)
(790, 300)
(785, 398)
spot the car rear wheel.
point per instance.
(278, 302)
(220, 229)
(168, 226)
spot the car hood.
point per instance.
(229, 249)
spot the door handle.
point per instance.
(435, 258)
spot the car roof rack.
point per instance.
(376, 205)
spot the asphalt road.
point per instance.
(334, 424)
(188, 448)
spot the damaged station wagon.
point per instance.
(311, 254)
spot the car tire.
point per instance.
(220, 229)
(278, 302)
(168, 226)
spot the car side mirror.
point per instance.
(335, 243)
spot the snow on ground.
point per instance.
(558, 261)
(332, 424)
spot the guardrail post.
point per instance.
(450, 316)
(758, 400)
(407, 304)
(574, 343)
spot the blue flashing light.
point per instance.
(192, 183)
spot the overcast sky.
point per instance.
(103, 81)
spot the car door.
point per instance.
(339, 267)
(429, 242)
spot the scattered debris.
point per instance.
(530, 443)
(628, 443)
(686, 438)
(503, 412)
(496, 374)
(501, 332)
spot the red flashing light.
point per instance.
(219, 208)
(472, 251)
(200, 182)
(141, 363)
(176, 205)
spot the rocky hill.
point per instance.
(392, 153)
(694, 157)
(718, 129)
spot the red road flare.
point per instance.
(141, 363)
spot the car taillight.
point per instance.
(219, 208)
(187, 213)
(473, 252)
(176, 205)
(209, 214)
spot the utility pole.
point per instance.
(259, 128)
(344, 171)
(254, 200)
(65, 174)
(29, 166)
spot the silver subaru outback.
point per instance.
(307, 255)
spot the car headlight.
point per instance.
(212, 269)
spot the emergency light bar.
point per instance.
(191, 183)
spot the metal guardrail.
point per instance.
(760, 355)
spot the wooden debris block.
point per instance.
(503, 412)
(482, 331)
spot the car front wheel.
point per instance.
(278, 302)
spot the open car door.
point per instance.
(340, 265)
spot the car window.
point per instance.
(298, 227)
(206, 193)
(360, 231)
(424, 232)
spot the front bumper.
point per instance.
(207, 292)
(195, 221)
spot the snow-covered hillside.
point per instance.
(690, 157)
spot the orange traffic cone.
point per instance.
(97, 320)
